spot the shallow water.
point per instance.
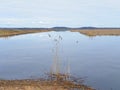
(96, 59)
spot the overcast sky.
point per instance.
(50, 13)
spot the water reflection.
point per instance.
(98, 32)
(56, 76)
(32, 54)
(60, 77)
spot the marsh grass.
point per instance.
(52, 82)
(88, 32)
(7, 33)
(99, 32)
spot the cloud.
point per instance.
(20, 22)
(48, 13)
(27, 22)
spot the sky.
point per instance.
(52, 13)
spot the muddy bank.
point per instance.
(40, 85)
(32, 88)
(28, 85)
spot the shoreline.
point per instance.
(87, 32)
(7, 33)
(40, 85)
(98, 32)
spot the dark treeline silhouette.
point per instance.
(59, 28)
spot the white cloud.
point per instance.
(47, 13)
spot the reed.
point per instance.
(99, 32)
(52, 82)
(7, 33)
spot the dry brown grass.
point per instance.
(99, 32)
(32, 88)
(7, 33)
(27, 85)
(40, 85)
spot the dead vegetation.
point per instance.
(52, 82)
(99, 32)
(8, 33)
(55, 80)
(88, 32)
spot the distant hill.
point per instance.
(88, 28)
(60, 28)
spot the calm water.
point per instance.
(96, 59)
